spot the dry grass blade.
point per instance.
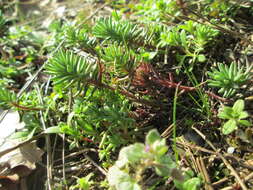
(203, 171)
(228, 165)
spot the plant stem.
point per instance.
(124, 92)
(174, 123)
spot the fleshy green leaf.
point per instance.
(120, 31)
(245, 123)
(243, 115)
(149, 55)
(20, 135)
(50, 130)
(192, 184)
(238, 106)
(225, 113)
(183, 38)
(189, 182)
(201, 58)
(228, 79)
(229, 127)
(85, 182)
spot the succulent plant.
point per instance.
(229, 79)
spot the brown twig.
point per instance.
(152, 75)
(169, 84)
(25, 107)
(198, 148)
(212, 95)
(247, 178)
(96, 165)
(204, 172)
(124, 92)
(168, 132)
(217, 183)
(74, 154)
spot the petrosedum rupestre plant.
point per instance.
(229, 79)
(134, 159)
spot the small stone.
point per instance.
(230, 150)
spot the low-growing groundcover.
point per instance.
(132, 95)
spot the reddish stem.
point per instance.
(124, 92)
(216, 96)
(169, 84)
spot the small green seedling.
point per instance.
(229, 79)
(134, 159)
(83, 183)
(235, 115)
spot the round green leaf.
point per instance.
(229, 127)
(243, 115)
(245, 123)
(201, 58)
(192, 184)
(238, 106)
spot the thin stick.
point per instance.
(220, 181)
(77, 153)
(205, 173)
(193, 164)
(63, 159)
(167, 132)
(48, 144)
(198, 148)
(96, 165)
(228, 165)
(63, 138)
(247, 178)
(212, 95)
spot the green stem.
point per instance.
(174, 124)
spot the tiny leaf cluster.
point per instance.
(235, 115)
(228, 79)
